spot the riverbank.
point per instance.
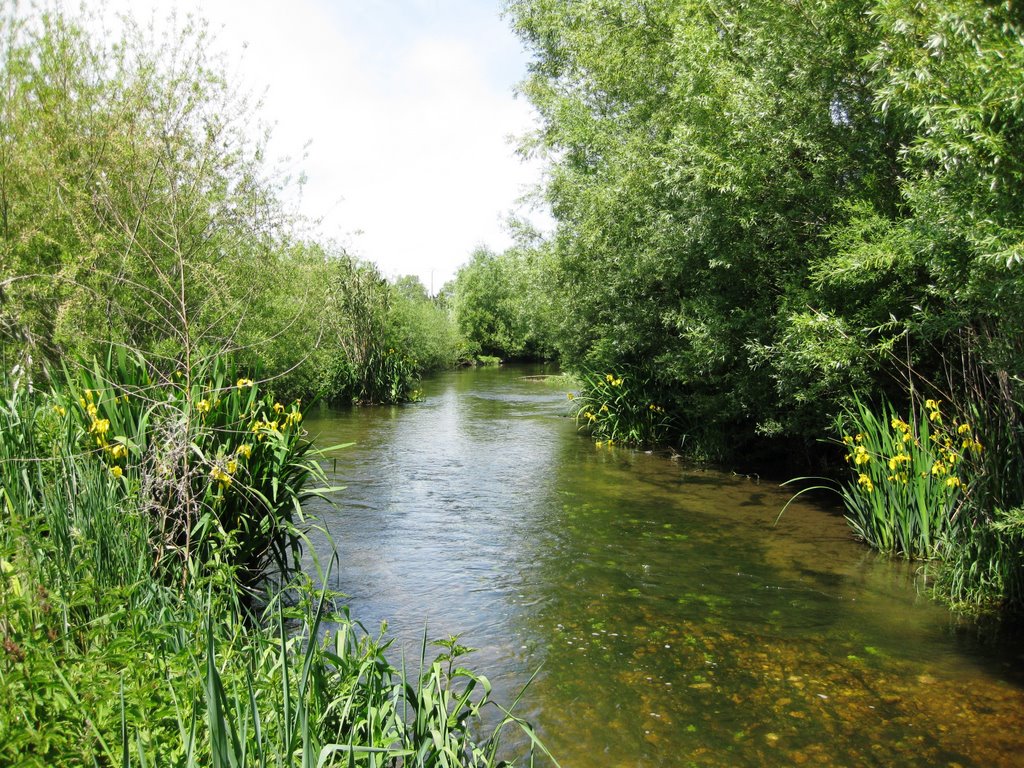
(135, 627)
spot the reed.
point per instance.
(218, 464)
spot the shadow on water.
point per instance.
(675, 624)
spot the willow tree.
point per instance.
(136, 207)
(765, 205)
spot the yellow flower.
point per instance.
(203, 406)
(243, 383)
(617, 383)
(847, 439)
(963, 429)
(232, 466)
(609, 378)
(278, 408)
(118, 451)
(100, 426)
(59, 410)
(865, 482)
(938, 468)
(898, 459)
(569, 395)
(932, 405)
(860, 455)
(91, 408)
(244, 450)
(220, 476)
(116, 471)
(901, 425)
(953, 482)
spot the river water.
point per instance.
(672, 623)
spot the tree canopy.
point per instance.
(765, 205)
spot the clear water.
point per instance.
(672, 624)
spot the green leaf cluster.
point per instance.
(765, 205)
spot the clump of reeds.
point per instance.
(909, 477)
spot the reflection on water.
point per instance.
(675, 625)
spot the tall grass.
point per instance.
(983, 570)
(217, 464)
(983, 561)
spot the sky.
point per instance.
(407, 107)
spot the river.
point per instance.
(672, 622)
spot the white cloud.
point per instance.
(408, 106)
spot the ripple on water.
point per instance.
(675, 624)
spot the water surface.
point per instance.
(672, 623)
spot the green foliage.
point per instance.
(500, 305)
(983, 571)
(423, 326)
(762, 200)
(216, 464)
(620, 408)
(136, 208)
(909, 477)
(701, 153)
